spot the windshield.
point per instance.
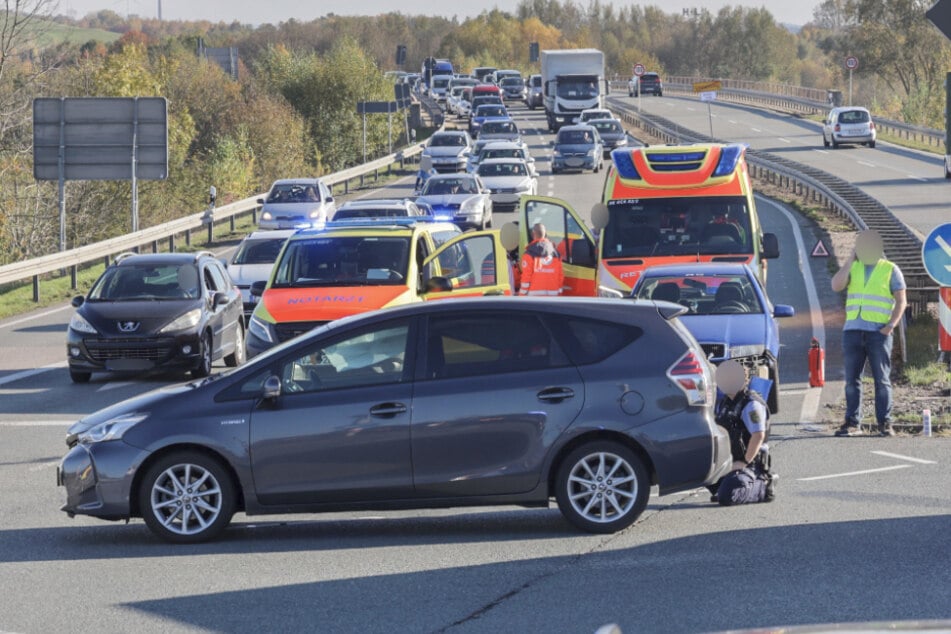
(343, 261)
(505, 153)
(486, 100)
(455, 92)
(503, 169)
(704, 294)
(264, 251)
(714, 225)
(499, 127)
(450, 186)
(575, 137)
(512, 81)
(607, 127)
(853, 116)
(293, 193)
(441, 82)
(370, 212)
(578, 88)
(147, 282)
(491, 111)
(447, 140)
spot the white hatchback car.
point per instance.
(253, 260)
(848, 125)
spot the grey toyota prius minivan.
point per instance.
(485, 401)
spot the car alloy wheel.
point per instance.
(204, 363)
(602, 487)
(187, 497)
(239, 356)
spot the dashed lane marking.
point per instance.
(25, 374)
(46, 313)
(855, 473)
(39, 423)
(889, 454)
(784, 140)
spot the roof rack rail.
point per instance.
(199, 254)
(122, 256)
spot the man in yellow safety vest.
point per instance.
(874, 305)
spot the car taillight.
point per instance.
(871, 125)
(690, 375)
(838, 128)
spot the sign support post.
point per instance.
(639, 71)
(62, 174)
(852, 63)
(135, 167)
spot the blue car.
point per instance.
(729, 313)
(483, 112)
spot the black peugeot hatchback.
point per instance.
(167, 310)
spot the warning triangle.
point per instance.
(820, 250)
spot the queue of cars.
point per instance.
(678, 263)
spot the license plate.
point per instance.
(129, 365)
(575, 162)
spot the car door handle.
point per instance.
(387, 410)
(556, 394)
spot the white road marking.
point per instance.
(866, 163)
(690, 109)
(732, 121)
(810, 404)
(46, 313)
(889, 454)
(38, 423)
(855, 473)
(784, 140)
(755, 129)
(821, 151)
(43, 465)
(25, 374)
(115, 384)
(918, 178)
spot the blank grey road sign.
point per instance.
(940, 16)
(226, 58)
(376, 107)
(99, 138)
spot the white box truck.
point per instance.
(572, 80)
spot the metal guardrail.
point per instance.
(809, 101)
(840, 197)
(72, 259)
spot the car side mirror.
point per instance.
(260, 201)
(271, 389)
(257, 288)
(783, 310)
(770, 246)
(438, 285)
(551, 143)
(78, 301)
(220, 298)
(330, 199)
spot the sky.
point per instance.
(257, 12)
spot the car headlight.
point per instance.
(604, 291)
(556, 154)
(470, 206)
(112, 429)
(267, 216)
(315, 214)
(621, 141)
(737, 352)
(79, 324)
(525, 186)
(260, 329)
(591, 152)
(184, 322)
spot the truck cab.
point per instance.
(572, 81)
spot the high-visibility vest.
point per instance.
(871, 300)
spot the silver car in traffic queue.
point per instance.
(460, 198)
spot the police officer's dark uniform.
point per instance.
(742, 416)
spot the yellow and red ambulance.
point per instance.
(354, 266)
(660, 205)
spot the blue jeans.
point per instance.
(857, 346)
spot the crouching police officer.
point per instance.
(743, 413)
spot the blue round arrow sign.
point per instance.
(936, 254)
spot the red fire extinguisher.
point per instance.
(817, 364)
